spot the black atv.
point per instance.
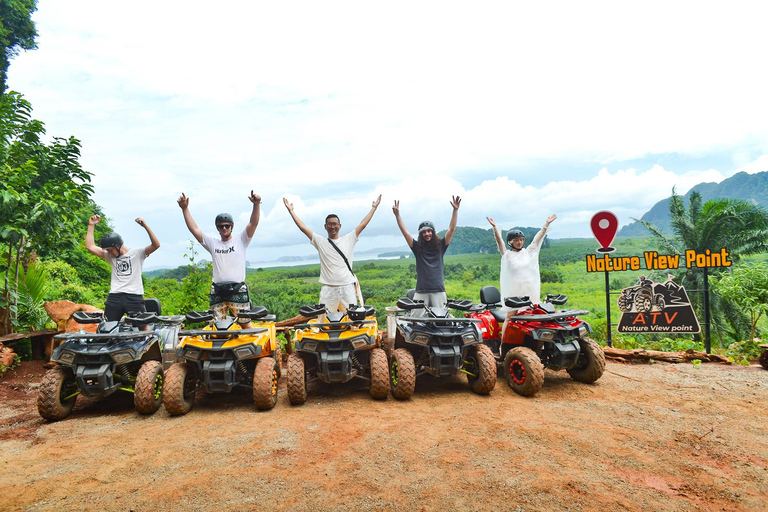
(441, 345)
(340, 347)
(118, 357)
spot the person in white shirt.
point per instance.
(519, 275)
(228, 289)
(126, 289)
(338, 282)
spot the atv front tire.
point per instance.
(591, 363)
(180, 387)
(379, 374)
(148, 390)
(265, 384)
(57, 394)
(482, 367)
(297, 380)
(525, 373)
(402, 374)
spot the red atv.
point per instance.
(538, 337)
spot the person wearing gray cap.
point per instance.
(429, 250)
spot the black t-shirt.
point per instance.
(429, 267)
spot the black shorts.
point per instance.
(118, 304)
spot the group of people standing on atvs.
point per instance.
(136, 349)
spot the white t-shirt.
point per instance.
(519, 276)
(333, 270)
(228, 257)
(126, 271)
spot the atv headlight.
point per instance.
(468, 337)
(67, 356)
(191, 353)
(546, 334)
(122, 357)
(583, 330)
(243, 352)
(421, 338)
(360, 342)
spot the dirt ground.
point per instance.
(644, 437)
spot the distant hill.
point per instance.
(747, 187)
(469, 240)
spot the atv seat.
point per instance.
(490, 296)
(153, 306)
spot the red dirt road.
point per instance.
(644, 437)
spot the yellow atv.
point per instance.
(342, 346)
(222, 356)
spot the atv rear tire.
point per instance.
(525, 373)
(591, 363)
(297, 380)
(265, 384)
(402, 374)
(481, 363)
(379, 374)
(179, 390)
(148, 390)
(52, 402)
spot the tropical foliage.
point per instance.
(739, 226)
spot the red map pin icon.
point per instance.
(604, 226)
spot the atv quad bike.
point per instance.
(222, 356)
(340, 347)
(441, 345)
(538, 337)
(118, 357)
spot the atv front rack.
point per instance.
(551, 316)
(439, 321)
(223, 335)
(104, 335)
(328, 326)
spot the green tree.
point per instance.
(747, 286)
(737, 225)
(17, 31)
(45, 191)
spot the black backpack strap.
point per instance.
(342, 255)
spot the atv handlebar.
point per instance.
(84, 317)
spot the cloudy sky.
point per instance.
(522, 108)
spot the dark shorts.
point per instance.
(118, 304)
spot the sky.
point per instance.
(523, 109)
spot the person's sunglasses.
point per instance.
(224, 226)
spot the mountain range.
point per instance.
(747, 187)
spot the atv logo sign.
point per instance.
(656, 308)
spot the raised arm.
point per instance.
(497, 234)
(191, 224)
(360, 227)
(154, 242)
(250, 228)
(90, 244)
(540, 235)
(401, 224)
(303, 227)
(455, 203)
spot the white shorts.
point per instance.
(337, 298)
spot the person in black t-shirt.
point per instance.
(429, 250)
